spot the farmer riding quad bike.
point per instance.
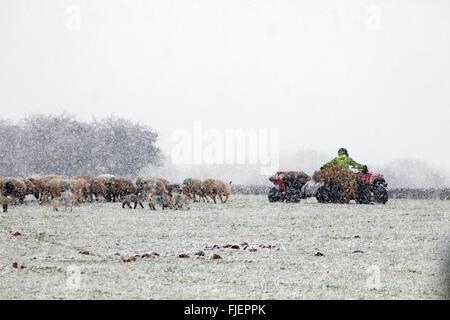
(371, 189)
(288, 186)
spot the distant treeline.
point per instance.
(40, 145)
(397, 193)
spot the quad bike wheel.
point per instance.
(328, 194)
(344, 200)
(363, 193)
(320, 195)
(380, 194)
(274, 195)
(292, 195)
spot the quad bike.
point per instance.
(288, 186)
(376, 184)
(371, 189)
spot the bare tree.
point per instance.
(42, 144)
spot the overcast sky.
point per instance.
(371, 76)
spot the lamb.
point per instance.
(164, 200)
(193, 187)
(136, 198)
(215, 187)
(179, 200)
(67, 199)
(5, 201)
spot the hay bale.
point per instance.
(295, 179)
(341, 178)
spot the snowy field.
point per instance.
(404, 245)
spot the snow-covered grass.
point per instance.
(405, 246)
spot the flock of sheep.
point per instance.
(69, 192)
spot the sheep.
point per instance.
(215, 187)
(117, 186)
(156, 187)
(5, 201)
(106, 176)
(30, 188)
(193, 187)
(40, 182)
(54, 188)
(140, 183)
(67, 199)
(80, 187)
(136, 198)
(340, 184)
(82, 177)
(98, 188)
(165, 181)
(93, 187)
(86, 188)
(13, 187)
(125, 186)
(111, 185)
(152, 185)
(173, 188)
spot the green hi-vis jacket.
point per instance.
(343, 160)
